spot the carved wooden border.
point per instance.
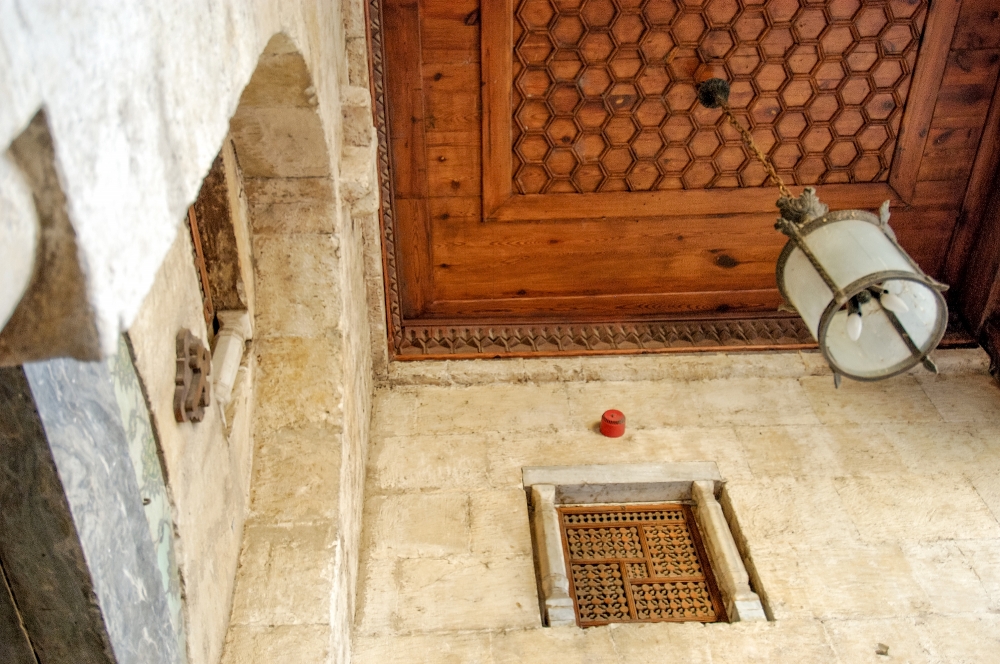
(426, 340)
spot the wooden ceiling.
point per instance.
(550, 184)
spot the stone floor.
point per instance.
(870, 512)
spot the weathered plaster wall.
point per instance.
(206, 470)
(871, 513)
(139, 101)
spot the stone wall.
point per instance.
(207, 471)
(298, 567)
(870, 513)
(132, 145)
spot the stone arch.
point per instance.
(310, 395)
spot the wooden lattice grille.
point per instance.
(638, 564)
(604, 99)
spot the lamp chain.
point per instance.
(758, 153)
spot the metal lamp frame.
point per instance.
(841, 296)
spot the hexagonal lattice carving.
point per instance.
(603, 91)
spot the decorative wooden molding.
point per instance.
(386, 216)
(192, 389)
(468, 341)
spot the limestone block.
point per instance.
(441, 410)
(429, 462)
(746, 401)
(965, 639)
(268, 644)
(466, 593)
(947, 577)
(784, 510)
(815, 364)
(357, 60)
(898, 399)
(393, 412)
(418, 525)
(854, 582)
(986, 481)
(300, 296)
(553, 582)
(791, 451)
(893, 508)
(742, 603)
(284, 576)
(567, 645)
(671, 367)
(500, 523)
(291, 205)
(964, 398)
(661, 643)
(512, 451)
(718, 444)
(931, 447)
(784, 581)
(280, 80)
(434, 648)
(766, 642)
(862, 449)
(358, 175)
(296, 474)
(856, 640)
(313, 365)
(378, 600)
(258, 130)
(357, 108)
(465, 372)
(984, 557)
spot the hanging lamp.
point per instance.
(873, 311)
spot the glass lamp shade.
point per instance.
(847, 253)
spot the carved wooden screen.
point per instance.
(638, 564)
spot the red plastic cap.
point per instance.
(613, 423)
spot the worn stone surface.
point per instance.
(285, 577)
(312, 354)
(302, 644)
(204, 467)
(869, 513)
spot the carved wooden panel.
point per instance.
(603, 270)
(603, 97)
(638, 564)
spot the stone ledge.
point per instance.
(677, 367)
